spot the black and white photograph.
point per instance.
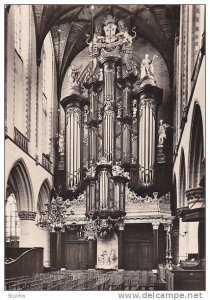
(105, 148)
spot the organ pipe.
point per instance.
(73, 113)
(147, 128)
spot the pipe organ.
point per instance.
(116, 116)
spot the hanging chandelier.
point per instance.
(55, 215)
(56, 218)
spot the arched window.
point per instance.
(196, 157)
(12, 221)
(21, 68)
(18, 28)
(43, 198)
(47, 92)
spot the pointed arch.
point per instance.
(43, 196)
(19, 182)
(196, 149)
(182, 180)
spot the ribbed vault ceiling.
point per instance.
(69, 25)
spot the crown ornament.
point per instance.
(109, 20)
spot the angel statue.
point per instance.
(61, 142)
(147, 67)
(74, 73)
(162, 132)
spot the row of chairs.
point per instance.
(67, 280)
(133, 280)
(58, 280)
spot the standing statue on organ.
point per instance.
(162, 132)
(74, 73)
(84, 91)
(91, 172)
(119, 111)
(147, 68)
(127, 40)
(93, 45)
(61, 142)
(123, 33)
(85, 114)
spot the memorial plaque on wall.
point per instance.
(107, 253)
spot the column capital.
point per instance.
(121, 226)
(167, 226)
(91, 237)
(27, 215)
(73, 100)
(149, 92)
(155, 225)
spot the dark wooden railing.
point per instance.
(26, 264)
(46, 162)
(20, 140)
(15, 252)
(185, 280)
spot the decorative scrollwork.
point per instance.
(85, 114)
(134, 108)
(91, 172)
(119, 171)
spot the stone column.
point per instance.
(167, 227)
(46, 245)
(167, 237)
(91, 254)
(58, 250)
(155, 226)
(27, 224)
(120, 246)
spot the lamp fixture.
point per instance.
(176, 232)
(54, 217)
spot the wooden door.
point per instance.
(131, 256)
(83, 256)
(145, 256)
(138, 256)
(76, 256)
(72, 257)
